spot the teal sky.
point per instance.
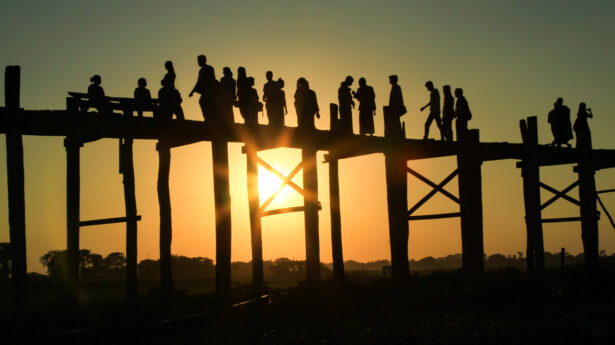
(512, 58)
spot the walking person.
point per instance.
(205, 82)
(434, 110)
(367, 107)
(227, 96)
(448, 113)
(462, 113)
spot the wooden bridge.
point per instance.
(80, 127)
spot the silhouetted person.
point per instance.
(228, 94)
(448, 113)
(306, 105)
(243, 90)
(396, 100)
(346, 104)
(169, 100)
(559, 118)
(434, 110)
(581, 127)
(251, 103)
(367, 107)
(272, 96)
(142, 97)
(282, 97)
(205, 82)
(168, 65)
(97, 97)
(462, 113)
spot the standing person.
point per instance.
(434, 110)
(395, 110)
(228, 94)
(462, 113)
(448, 113)
(243, 89)
(169, 101)
(251, 103)
(559, 118)
(207, 77)
(282, 98)
(142, 97)
(306, 105)
(97, 97)
(346, 104)
(581, 127)
(367, 107)
(273, 102)
(170, 72)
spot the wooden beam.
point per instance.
(560, 220)
(471, 206)
(310, 201)
(286, 210)
(108, 221)
(72, 146)
(166, 227)
(397, 205)
(130, 203)
(530, 171)
(258, 276)
(587, 198)
(559, 194)
(336, 220)
(16, 198)
(436, 187)
(222, 199)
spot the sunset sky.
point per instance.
(513, 59)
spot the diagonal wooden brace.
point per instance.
(559, 194)
(436, 188)
(286, 180)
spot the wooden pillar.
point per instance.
(73, 184)
(587, 198)
(222, 199)
(130, 202)
(530, 171)
(16, 196)
(397, 202)
(471, 206)
(166, 230)
(258, 276)
(310, 202)
(336, 221)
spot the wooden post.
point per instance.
(336, 221)
(222, 199)
(397, 202)
(258, 276)
(130, 202)
(166, 230)
(16, 198)
(530, 171)
(587, 198)
(310, 202)
(73, 185)
(471, 206)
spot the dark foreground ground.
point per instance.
(438, 308)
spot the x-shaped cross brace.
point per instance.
(286, 180)
(436, 188)
(559, 194)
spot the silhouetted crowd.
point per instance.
(217, 99)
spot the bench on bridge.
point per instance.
(81, 102)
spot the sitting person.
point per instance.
(96, 94)
(143, 98)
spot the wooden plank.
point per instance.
(108, 221)
(130, 204)
(435, 216)
(16, 199)
(560, 220)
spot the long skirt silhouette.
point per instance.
(366, 122)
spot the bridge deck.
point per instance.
(91, 126)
